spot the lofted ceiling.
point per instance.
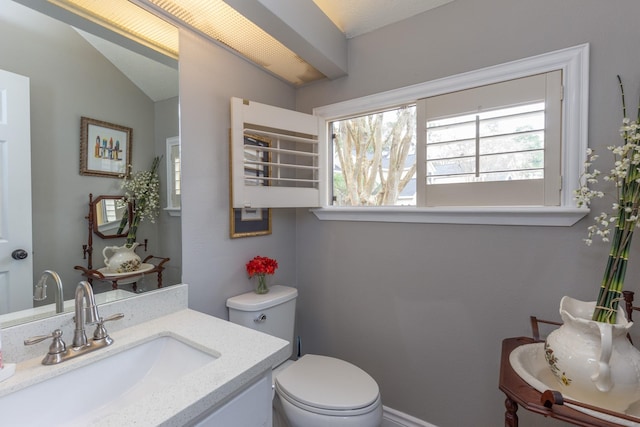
(158, 81)
(357, 17)
(351, 17)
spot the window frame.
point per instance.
(172, 142)
(574, 64)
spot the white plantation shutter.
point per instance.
(276, 157)
(495, 145)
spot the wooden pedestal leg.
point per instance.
(510, 416)
(160, 277)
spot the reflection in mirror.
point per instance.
(107, 212)
(42, 312)
(173, 175)
(85, 76)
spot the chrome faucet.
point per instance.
(87, 313)
(40, 292)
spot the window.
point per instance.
(504, 177)
(494, 145)
(173, 176)
(374, 158)
(489, 146)
(501, 145)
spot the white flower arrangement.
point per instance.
(623, 218)
(142, 190)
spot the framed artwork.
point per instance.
(105, 148)
(253, 222)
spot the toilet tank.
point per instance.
(272, 313)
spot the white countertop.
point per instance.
(242, 355)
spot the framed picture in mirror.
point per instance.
(105, 148)
(253, 222)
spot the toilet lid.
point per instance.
(328, 383)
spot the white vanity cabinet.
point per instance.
(250, 408)
(233, 388)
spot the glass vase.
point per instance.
(261, 284)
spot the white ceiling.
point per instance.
(356, 17)
(353, 17)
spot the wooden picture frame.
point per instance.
(105, 148)
(257, 221)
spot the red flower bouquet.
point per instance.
(260, 267)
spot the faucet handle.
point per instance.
(101, 332)
(57, 346)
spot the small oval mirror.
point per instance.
(107, 212)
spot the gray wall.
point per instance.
(213, 264)
(424, 307)
(70, 79)
(169, 234)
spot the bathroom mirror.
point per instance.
(107, 213)
(86, 76)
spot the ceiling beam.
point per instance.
(303, 28)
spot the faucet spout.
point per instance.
(41, 289)
(86, 312)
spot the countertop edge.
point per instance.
(244, 354)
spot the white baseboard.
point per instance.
(393, 418)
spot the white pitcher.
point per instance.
(594, 362)
(123, 259)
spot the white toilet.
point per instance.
(314, 391)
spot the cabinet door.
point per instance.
(277, 157)
(251, 408)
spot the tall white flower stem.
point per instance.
(626, 176)
(613, 281)
(142, 191)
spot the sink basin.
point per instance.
(529, 363)
(87, 394)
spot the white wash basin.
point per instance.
(529, 362)
(82, 396)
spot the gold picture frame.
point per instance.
(105, 148)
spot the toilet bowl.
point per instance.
(314, 391)
(325, 391)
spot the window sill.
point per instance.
(173, 211)
(534, 216)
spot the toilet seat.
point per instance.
(328, 386)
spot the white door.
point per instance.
(16, 272)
